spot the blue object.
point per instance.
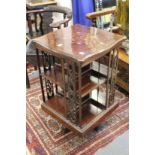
(80, 9)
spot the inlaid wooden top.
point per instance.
(79, 42)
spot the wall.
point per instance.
(66, 3)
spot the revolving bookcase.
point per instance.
(77, 92)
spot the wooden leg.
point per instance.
(35, 20)
(27, 80)
(41, 24)
(29, 25)
(40, 76)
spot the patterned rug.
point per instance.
(44, 134)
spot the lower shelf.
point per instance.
(92, 113)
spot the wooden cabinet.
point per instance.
(72, 78)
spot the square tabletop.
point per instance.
(79, 42)
(33, 4)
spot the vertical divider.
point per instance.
(64, 84)
(72, 92)
(117, 61)
(108, 77)
(115, 72)
(98, 79)
(113, 75)
(112, 69)
(79, 94)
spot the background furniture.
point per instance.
(40, 22)
(106, 17)
(37, 4)
(32, 5)
(73, 82)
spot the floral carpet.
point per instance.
(45, 135)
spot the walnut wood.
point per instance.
(82, 44)
(76, 47)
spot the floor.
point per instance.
(120, 146)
